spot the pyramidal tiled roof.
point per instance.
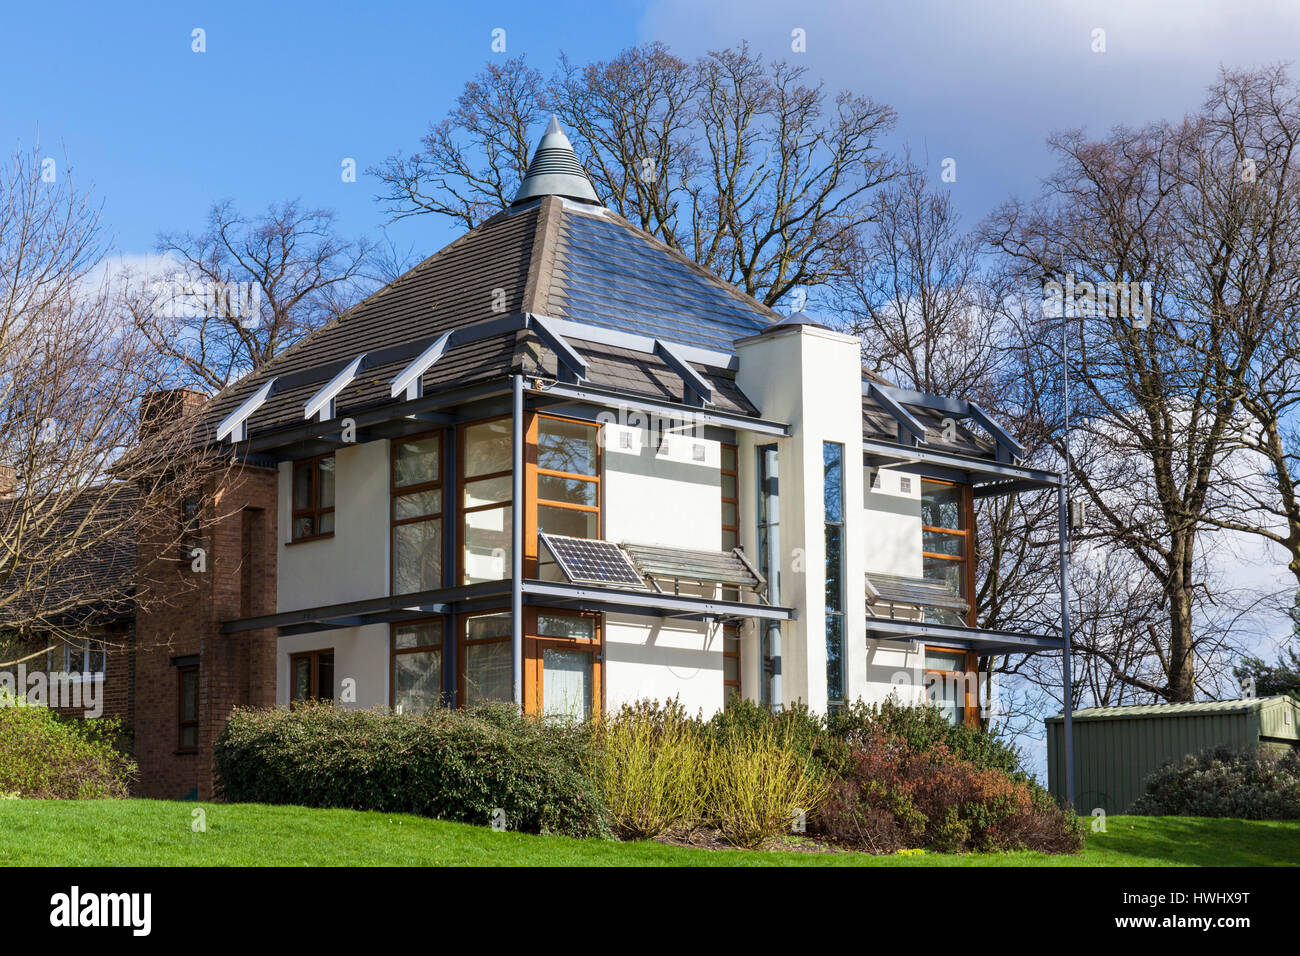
(547, 255)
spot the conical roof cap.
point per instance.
(555, 170)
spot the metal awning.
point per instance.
(887, 594)
(663, 565)
(986, 476)
(968, 638)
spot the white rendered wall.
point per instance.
(671, 495)
(360, 655)
(353, 564)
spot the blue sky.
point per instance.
(285, 91)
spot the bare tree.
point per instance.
(245, 290)
(79, 469)
(739, 163)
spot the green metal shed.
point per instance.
(1116, 748)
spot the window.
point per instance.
(313, 498)
(946, 543)
(769, 496)
(487, 665)
(833, 503)
(187, 682)
(950, 683)
(311, 676)
(85, 657)
(562, 663)
(730, 663)
(415, 491)
(485, 483)
(568, 477)
(417, 667)
(730, 499)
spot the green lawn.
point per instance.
(156, 832)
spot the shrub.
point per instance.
(649, 763)
(923, 729)
(802, 729)
(1223, 782)
(48, 756)
(462, 765)
(894, 794)
(759, 779)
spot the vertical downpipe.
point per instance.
(771, 492)
(1063, 533)
(517, 506)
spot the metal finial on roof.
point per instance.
(555, 170)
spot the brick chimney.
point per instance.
(167, 405)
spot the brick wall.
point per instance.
(180, 617)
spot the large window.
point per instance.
(730, 539)
(568, 477)
(485, 488)
(313, 498)
(833, 502)
(187, 685)
(416, 494)
(311, 676)
(769, 496)
(417, 667)
(946, 543)
(950, 683)
(487, 664)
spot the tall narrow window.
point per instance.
(730, 539)
(485, 501)
(951, 685)
(187, 679)
(946, 545)
(769, 496)
(313, 498)
(487, 667)
(417, 667)
(730, 663)
(416, 493)
(833, 502)
(568, 477)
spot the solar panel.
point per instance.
(588, 561)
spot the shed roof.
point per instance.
(1201, 708)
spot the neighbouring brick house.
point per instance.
(560, 464)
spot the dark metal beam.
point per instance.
(641, 602)
(694, 382)
(612, 399)
(906, 420)
(573, 367)
(977, 638)
(878, 452)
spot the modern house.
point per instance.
(558, 463)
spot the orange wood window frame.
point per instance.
(732, 632)
(182, 721)
(532, 494)
(967, 535)
(314, 509)
(535, 645)
(395, 491)
(970, 702)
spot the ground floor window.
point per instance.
(562, 663)
(487, 662)
(187, 680)
(417, 667)
(730, 663)
(83, 656)
(311, 676)
(951, 684)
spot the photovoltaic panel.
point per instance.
(587, 561)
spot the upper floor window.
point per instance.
(946, 539)
(568, 477)
(485, 505)
(833, 503)
(313, 498)
(416, 494)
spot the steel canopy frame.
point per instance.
(973, 471)
(973, 638)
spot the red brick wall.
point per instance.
(181, 614)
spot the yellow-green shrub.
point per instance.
(649, 764)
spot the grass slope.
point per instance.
(159, 833)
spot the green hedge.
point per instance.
(1223, 782)
(463, 765)
(45, 755)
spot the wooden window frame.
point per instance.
(313, 673)
(532, 490)
(462, 437)
(970, 703)
(535, 645)
(731, 685)
(396, 491)
(967, 534)
(315, 511)
(394, 653)
(183, 722)
(463, 642)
